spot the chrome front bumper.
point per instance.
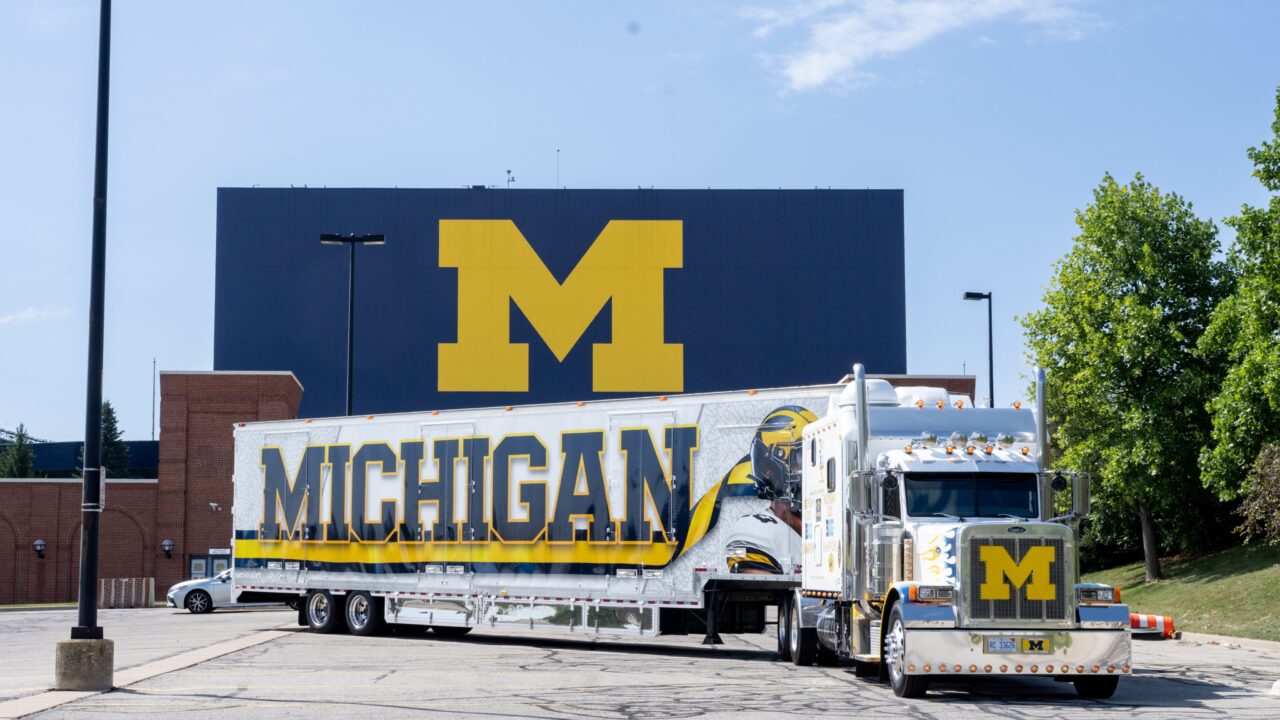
(968, 652)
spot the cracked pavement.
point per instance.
(535, 675)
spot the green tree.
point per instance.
(1261, 507)
(115, 454)
(1245, 333)
(18, 459)
(1117, 335)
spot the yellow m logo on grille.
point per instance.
(1001, 568)
(497, 266)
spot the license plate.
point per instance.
(1001, 645)
(1036, 645)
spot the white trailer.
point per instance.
(641, 516)
(900, 529)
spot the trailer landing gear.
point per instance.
(713, 636)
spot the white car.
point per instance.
(205, 594)
(202, 595)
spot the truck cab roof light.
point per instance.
(907, 449)
(941, 404)
(1017, 404)
(988, 449)
(950, 448)
(1026, 450)
(959, 404)
(968, 449)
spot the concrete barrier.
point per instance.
(127, 592)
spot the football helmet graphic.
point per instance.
(756, 544)
(776, 454)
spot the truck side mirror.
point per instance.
(1080, 495)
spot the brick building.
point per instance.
(190, 503)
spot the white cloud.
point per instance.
(34, 314)
(845, 35)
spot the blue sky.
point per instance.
(997, 118)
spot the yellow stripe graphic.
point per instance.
(492, 552)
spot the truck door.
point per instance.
(824, 510)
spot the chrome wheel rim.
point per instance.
(318, 609)
(358, 611)
(198, 602)
(895, 646)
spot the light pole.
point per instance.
(351, 240)
(991, 370)
(91, 507)
(87, 660)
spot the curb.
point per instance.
(66, 606)
(1229, 641)
(31, 704)
(35, 608)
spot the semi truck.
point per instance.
(896, 528)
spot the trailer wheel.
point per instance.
(364, 614)
(804, 641)
(894, 655)
(324, 611)
(784, 629)
(1099, 688)
(449, 631)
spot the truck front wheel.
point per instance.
(324, 611)
(1099, 688)
(894, 656)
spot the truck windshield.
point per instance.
(969, 495)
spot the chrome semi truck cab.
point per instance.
(937, 542)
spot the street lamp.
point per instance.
(39, 546)
(991, 371)
(351, 240)
(167, 548)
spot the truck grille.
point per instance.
(1009, 573)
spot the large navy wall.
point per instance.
(777, 287)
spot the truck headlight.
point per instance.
(1097, 595)
(932, 593)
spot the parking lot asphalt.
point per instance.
(498, 674)
(28, 637)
